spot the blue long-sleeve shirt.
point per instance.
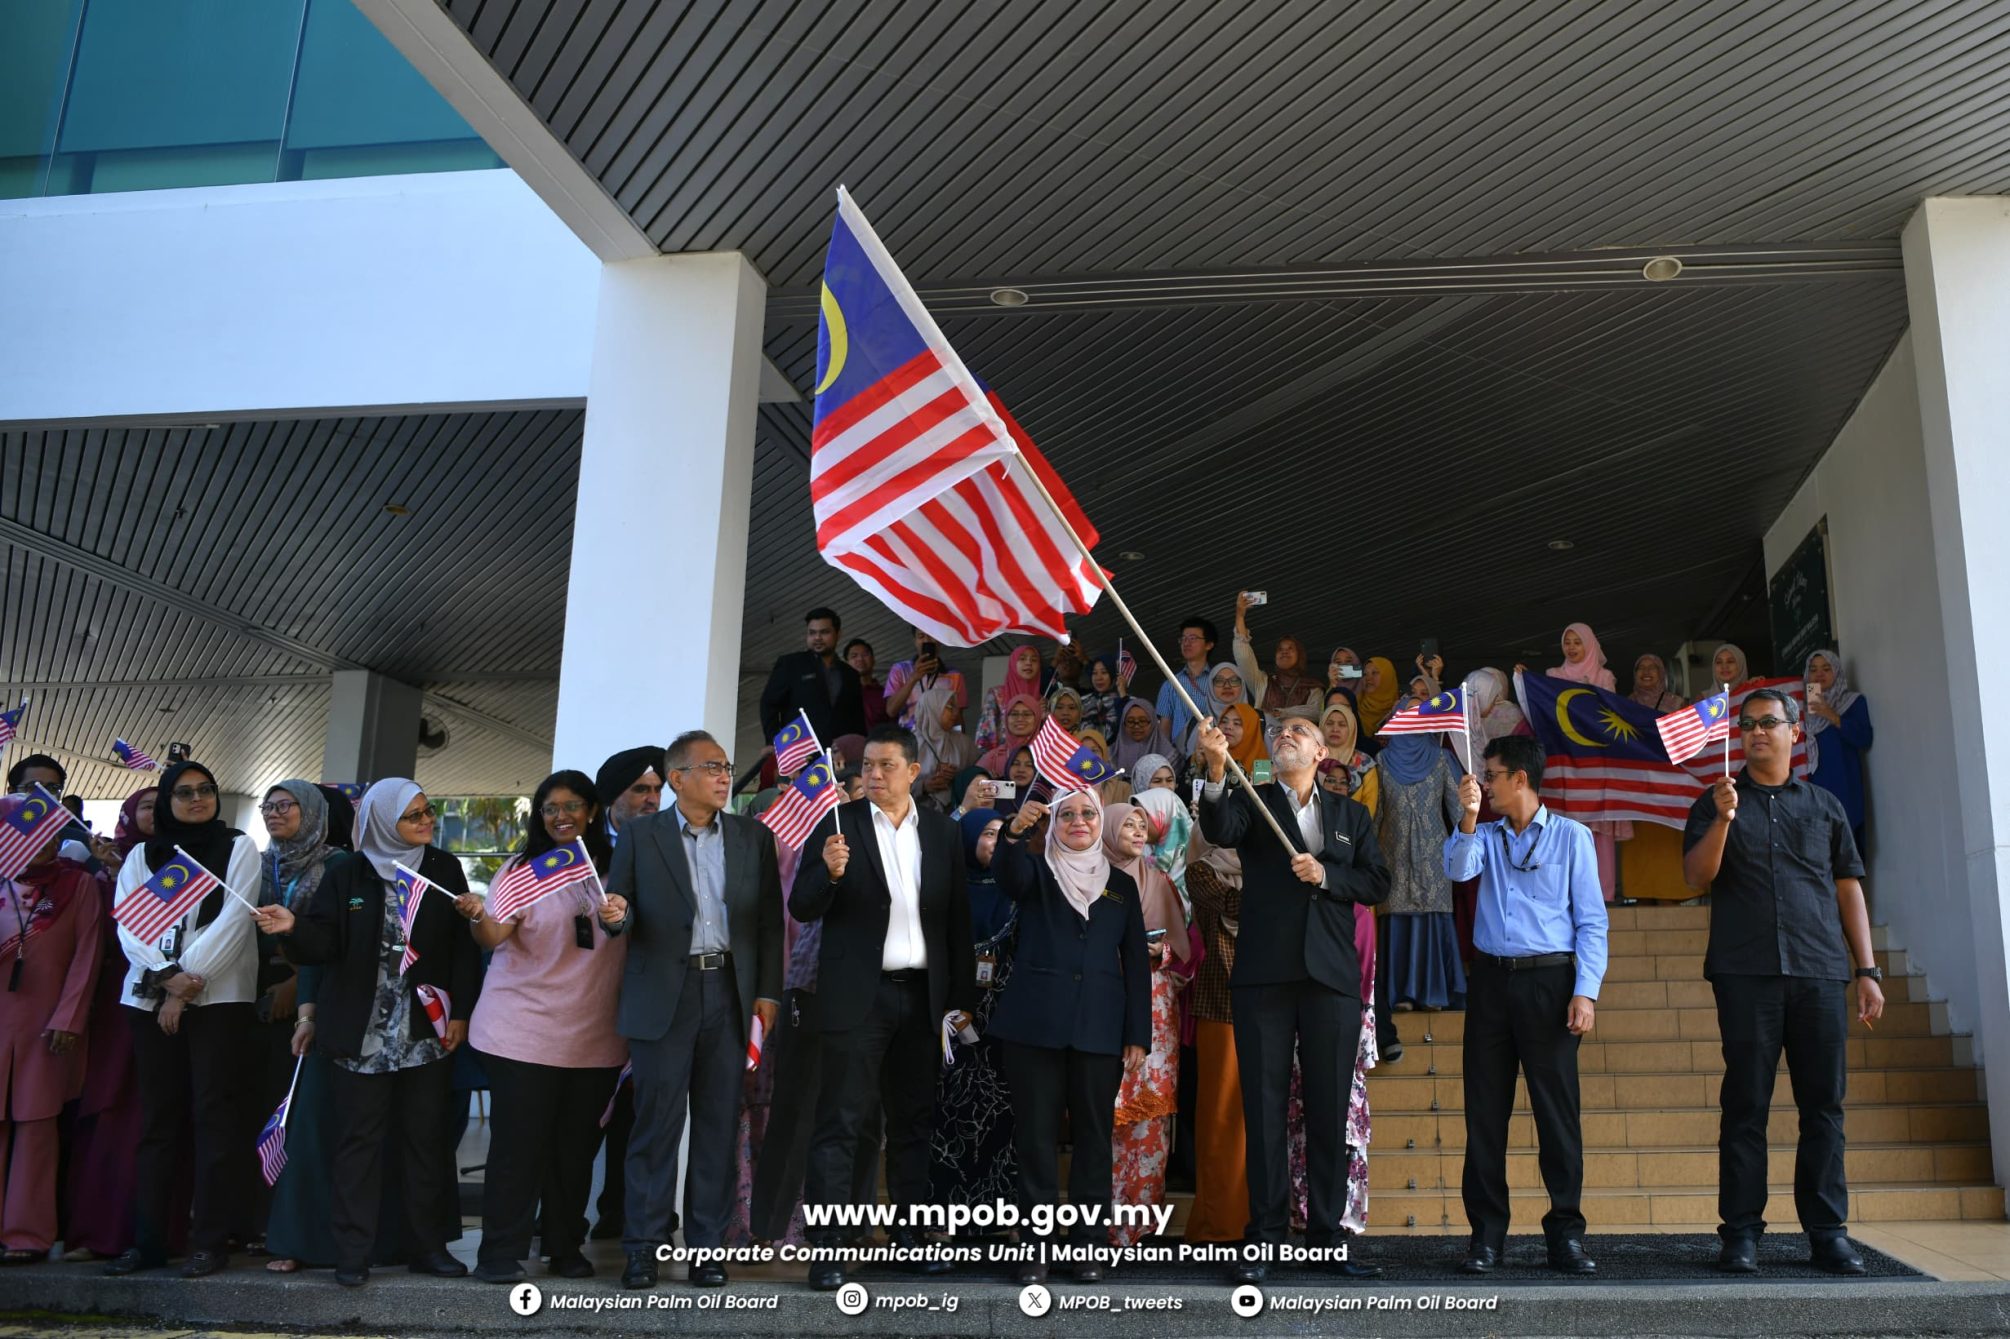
(1538, 893)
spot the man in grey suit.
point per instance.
(700, 897)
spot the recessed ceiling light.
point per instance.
(1009, 297)
(1562, 545)
(1660, 269)
(1131, 556)
(396, 509)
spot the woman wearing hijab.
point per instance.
(1077, 1014)
(1226, 688)
(51, 947)
(1584, 662)
(1103, 704)
(1022, 716)
(1728, 665)
(1022, 680)
(545, 1031)
(945, 749)
(188, 1001)
(1138, 735)
(1287, 685)
(1343, 750)
(1244, 729)
(1171, 826)
(1064, 704)
(972, 788)
(1375, 700)
(1650, 863)
(101, 1132)
(1839, 733)
(389, 1033)
(1419, 806)
(971, 1158)
(296, 861)
(1155, 771)
(1343, 668)
(1650, 686)
(1150, 1093)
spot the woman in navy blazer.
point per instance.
(1077, 1012)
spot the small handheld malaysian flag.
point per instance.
(1066, 761)
(803, 805)
(129, 756)
(527, 881)
(411, 889)
(796, 745)
(179, 884)
(272, 1139)
(627, 1073)
(10, 723)
(1127, 664)
(1445, 711)
(32, 826)
(1687, 732)
(351, 791)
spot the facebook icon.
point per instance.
(525, 1299)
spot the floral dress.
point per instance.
(1142, 1139)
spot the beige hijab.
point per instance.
(1083, 875)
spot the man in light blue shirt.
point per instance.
(1196, 640)
(1539, 936)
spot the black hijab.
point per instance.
(341, 817)
(209, 843)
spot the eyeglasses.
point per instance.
(1301, 730)
(277, 808)
(1751, 723)
(1191, 638)
(570, 808)
(205, 791)
(28, 788)
(715, 767)
(1490, 776)
(419, 815)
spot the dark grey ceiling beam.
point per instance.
(1710, 267)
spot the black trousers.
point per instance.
(542, 1124)
(195, 1112)
(1758, 1016)
(1323, 1029)
(783, 1164)
(1518, 1021)
(698, 1068)
(890, 1061)
(412, 1107)
(1046, 1082)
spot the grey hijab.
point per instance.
(377, 839)
(293, 867)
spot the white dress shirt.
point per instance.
(224, 952)
(900, 856)
(1310, 816)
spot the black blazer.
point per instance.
(1291, 930)
(797, 684)
(343, 930)
(653, 873)
(854, 911)
(1080, 984)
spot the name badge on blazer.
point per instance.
(1113, 896)
(1343, 839)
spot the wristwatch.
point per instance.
(1874, 973)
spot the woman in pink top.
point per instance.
(545, 1028)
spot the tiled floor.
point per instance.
(1953, 1252)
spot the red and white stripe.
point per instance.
(1052, 748)
(148, 917)
(519, 887)
(18, 848)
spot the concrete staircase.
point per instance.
(1918, 1130)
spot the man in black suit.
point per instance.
(816, 681)
(1296, 983)
(698, 893)
(887, 878)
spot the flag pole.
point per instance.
(1150, 648)
(1727, 732)
(248, 906)
(423, 879)
(298, 1060)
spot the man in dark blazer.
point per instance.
(1296, 983)
(887, 878)
(698, 892)
(816, 681)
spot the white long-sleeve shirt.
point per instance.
(224, 952)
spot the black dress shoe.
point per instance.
(708, 1274)
(641, 1270)
(1033, 1271)
(1248, 1271)
(1569, 1258)
(1089, 1271)
(1740, 1255)
(353, 1278)
(908, 1239)
(571, 1265)
(607, 1229)
(439, 1264)
(1480, 1260)
(498, 1271)
(204, 1263)
(1833, 1255)
(131, 1261)
(1350, 1269)
(826, 1276)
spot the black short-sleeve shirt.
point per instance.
(1773, 903)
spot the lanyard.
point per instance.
(21, 920)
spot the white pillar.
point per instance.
(373, 728)
(659, 536)
(1957, 278)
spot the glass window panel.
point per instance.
(383, 160)
(355, 88)
(34, 66)
(194, 72)
(164, 169)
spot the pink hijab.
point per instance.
(1000, 757)
(1591, 669)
